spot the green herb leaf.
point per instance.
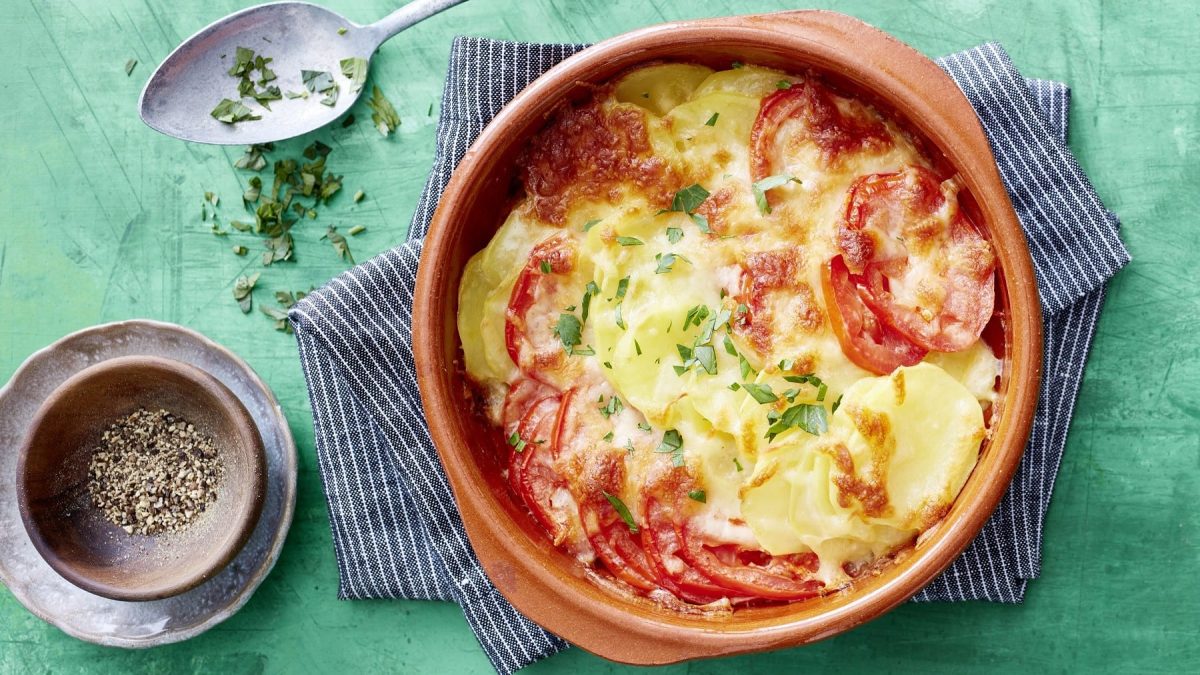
(129, 66)
(644, 426)
(737, 64)
(807, 416)
(698, 495)
(590, 290)
(622, 510)
(760, 392)
(608, 437)
(712, 121)
(760, 188)
(568, 330)
(340, 246)
(745, 366)
(382, 113)
(240, 250)
(729, 348)
(737, 464)
(341, 31)
(620, 320)
(242, 291)
(706, 356)
(689, 198)
(358, 196)
(629, 241)
(674, 234)
(672, 442)
(590, 224)
(317, 81)
(355, 68)
(637, 347)
(622, 287)
(243, 62)
(838, 403)
(278, 316)
(612, 407)
(783, 84)
(665, 262)
(545, 267)
(232, 112)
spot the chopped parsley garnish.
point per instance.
(622, 510)
(590, 224)
(807, 416)
(674, 234)
(583, 351)
(815, 381)
(629, 241)
(232, 112)
(672, 443)
(382, 113)
(518, 445)
(637, 347)
(747, 369)
(129, 66)
(665, 262)
(358, 196)
(608, 364)
(644, 426)
(698, 495)
(545, 267)
(620, 320)
(320, 82)
(734, 386)
(568, 331)
(729, 348)
(356, 230)
(783, 84)
(712, 121)
(736, 64)
(622, 287)
(591, 290)
(355, 69)
(689, 198)
(760, 392)
(612, 407)
(706, 356)
(837, 404)
(760, 187)
(737, 463)
(608, 437)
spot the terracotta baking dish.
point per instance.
(545, 584)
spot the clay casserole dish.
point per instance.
(547, 585)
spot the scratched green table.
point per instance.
(100, 221)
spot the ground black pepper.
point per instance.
(154, 473)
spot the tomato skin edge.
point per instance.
(841, 297)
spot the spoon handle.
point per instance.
(409, 14)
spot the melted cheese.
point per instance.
(906, 441)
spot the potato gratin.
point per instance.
(731, 333)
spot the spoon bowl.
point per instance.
(179, 97)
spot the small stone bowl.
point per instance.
(76, 539)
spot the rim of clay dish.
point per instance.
(545, 584)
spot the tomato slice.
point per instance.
(532, 473)
(928, 271)
(616, 545)
(865, 339)
(520, 399)
(663, 543)
(538, 296)
(807, 112)
(753, 573)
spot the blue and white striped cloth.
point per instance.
(396, 531)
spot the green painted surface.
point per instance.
(101, 222)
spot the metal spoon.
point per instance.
(180, 96)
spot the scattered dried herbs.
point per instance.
(129, 66)
(355, 69)
(243, 289)
(382, 113)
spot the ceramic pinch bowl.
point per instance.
(548, 585)
(76, 539)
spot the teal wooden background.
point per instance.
(101, 222)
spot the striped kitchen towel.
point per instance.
(396, 531)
